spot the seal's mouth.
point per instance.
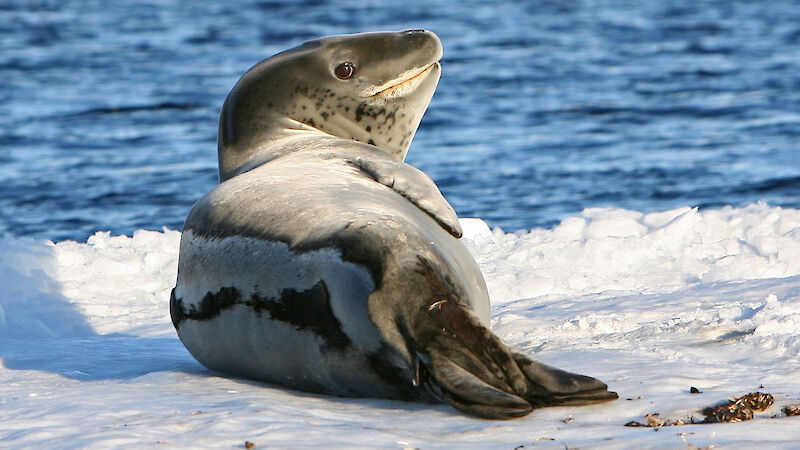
(406, 83)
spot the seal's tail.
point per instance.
(476, 372)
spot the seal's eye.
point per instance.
(345, 70)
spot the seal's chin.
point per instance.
(404, 84)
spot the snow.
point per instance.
(652, 304)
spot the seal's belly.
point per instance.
(257, 345)
(256, 309)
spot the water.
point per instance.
(108, 112)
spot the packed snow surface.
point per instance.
(652, 304)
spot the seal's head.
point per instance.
(369, 87)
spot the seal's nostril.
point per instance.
(414, 31)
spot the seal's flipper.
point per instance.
(415, 186)
(477, 373)
(560, 387)
(481, 399)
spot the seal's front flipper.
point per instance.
(477, 373)
(415, 186)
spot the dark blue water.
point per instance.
(108, 112)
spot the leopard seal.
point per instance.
(322, 262)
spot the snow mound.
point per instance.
(108, 284)
(614, 251)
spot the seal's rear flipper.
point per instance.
(559, 387)
(469, 394)
(477, 373)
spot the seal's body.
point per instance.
(324, 263)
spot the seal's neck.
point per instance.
(388, 125)
(290, 137)
(285, 135)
